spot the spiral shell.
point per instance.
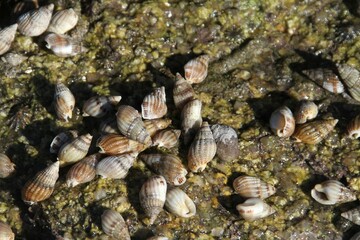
(282, 122)
(131, 125)
(7, 168)
(114, 144)
(308, 110)
(108, 126)
(155, 125)
(152, 196)
(167, 165)
(352, 215)
(252, 187)
(154, 104)
(35, 22)
(182, 92)
(99, 106)
(63, 46)
(332, 192)
(42, 185)
(326, 79)
(314, 132)
(5, 232)
(167, 138)
(202, 149)
(191, 119)
(64, 102)
(75, 150)
(179, 203)
(351, 78)
(113, 225)
(353, 128)
(82, 172)
(63, 21)
(62, 138)
(116, 167)
(227, 143)
(254, 208)
(196, 69)
(7, 36)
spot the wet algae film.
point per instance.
(258, 51)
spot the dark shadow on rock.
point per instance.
(229, 202)
(345, 112)
(142, 233)
(176, 62)
(311, 61)
(353, 6)
(95, 211)
(309, 184)
(44, 92)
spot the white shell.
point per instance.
(116, 167)
(154, 104)
(5, 232)
(191, 119)
(35, 22)
(64, 102)
(179, 203)
(308, 110)
(99, 106)
(332, 192)
(113, 224)
(282, 122)
(63, 21)
(353, 215)
(252, 187)
(63, 46)
(7, 36)
(254, 208)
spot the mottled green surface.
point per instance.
(257, 49)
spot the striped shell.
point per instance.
(167, 138)
(326, 79)
(196, 69)
(252, 187)
(155, 125)
(63, 21)
(7, 36)
(254, 208)
(62, 45)
(99, 106)
(113, 225)
(154, 104)
(308, 110)
(353, 128)
(64, 102)
(167, 165)
(23, 7)
(314, 132)
(109, 125)
(179, 203)
(42, 185)
(227, 143)
(152, 196)
(282, 122)
(191, 119)
(82, 172)
(182, 92)
(351, 78)
(7, 168)
(352, 215)
(131, 125)
(116, 167)
(62, 138)
(114, 144)
(5, 232)
(35, 22)
(332, 192)
(75, 150)
(202, 149)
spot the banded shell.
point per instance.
(254, 208)
(227, 143)
(64, 102)
(116, 167)
(7, 168)
(7, 36)
(179, 203)
(182, 92)
(82, 172)
(155, 125)
(314, 132)
(353, 128)
(131, 125)
(252, 187)
(23, 7)
(167, 165)
(351, 78)
(113, 225)
(167, 138)
(5, 232)
(154, 104)
(196, 69)
(152, 196)
(326, 79)
(42, 185)
(62, 138)
(114, 144)
(62, 45)
(75, 150)
(99, 106)
(109, 125)
(202, 149)
(352, 215)
(282, 122)
(191, 119)
(332, 192)
(63, 21)
(308, 110)
(35, 22)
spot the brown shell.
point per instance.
(308, 110)
(75, 150)
(35, 22)
(5, 232)
(62, 138)
(7, 168)
(351, 78)
(314, 132)
(353, 128)
(182, 92)
(64, 102)
(282, 122)
(115, 144)
(326, 79)
(63, 21)
(154, 104)
(116, 167)
(99, 106)
(62, 45)
(167, 138)
(82, 172)
(191, 119)
(7, 36)
(42, 185)
(252, 187)
(155, 125)
(227, 143)
(113, 224)
(196, 69)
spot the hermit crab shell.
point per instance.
(351, 78)
(202, 149)
(308, 110)
(63, 46)
(35, 22)
(115, 144)
(314, 132)
(325, 78)
(113, 224)
(155, 125)
(64, 102)
(82, 172)
(352, 215)
(227, 143)
(116, 167)
(62, 138)
(152, 196)
(75, 150)
(5, 232)
(252, 187)
(42, 185)
(182, 92)
(179, 203)
(254, 208)
(131, 125)
(196, 69)
(282, 122)
(7, 168)
(167, 138)
(99, 106)
(154, 104)
(191, 119)
(7, 36)
(353, 128)
(63, 21)
(167, 165)
(332, 192)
